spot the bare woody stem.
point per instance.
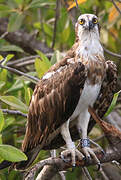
(14, 112)
(32, 78)
(54, 165)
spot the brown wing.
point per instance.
(53, 102)
(101, 105)
(108, 89)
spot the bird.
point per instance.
(82, 79)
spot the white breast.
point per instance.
(88, 97)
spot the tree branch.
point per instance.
(57, 14)
(14, 112)
(54, 165)
(112, 53)
(32, 78)
(22, 39)
(116, 6)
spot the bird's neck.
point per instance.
(90, 53)
(89, 47)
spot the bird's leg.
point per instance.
(69, 143)
(83, 121)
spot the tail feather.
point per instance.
(31, 157)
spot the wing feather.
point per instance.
(101, 105)
(50, 104)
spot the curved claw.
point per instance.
(65, 160)
(103, 152)
(98, 167)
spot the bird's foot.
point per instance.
(98, 146)
(74, 152)
(88, 152)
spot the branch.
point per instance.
(72, 13)
(116, 6)
(57, 14)
(28, 60)
(32, 78)
(22, 39)
(14, 112)
(112, 53)
(54, 165)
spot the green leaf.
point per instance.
(0, 138)
(113, 103)
(27, 95)
(12, 154)
(1, 120)
(48, 29)
(9, 121)
(26, 78)
(2, 83)
(19, 2)
(15, 103)
(4, 8)
(15, 22)
(42, 65)
(11, 48)
(16, 86)
(44, 58)
(65, 34)
(3, 75)
(6, 59)
(39, 3)
(56, 57)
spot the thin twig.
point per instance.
(57, 13)
(28, 60)
(77, 6)
(3, 35)
(53, 155)
(62, 175)
(103, 174)
(117, 164)
(116, 6)
(86, 173)
(112, 53)
(34, 79)
(14, 112)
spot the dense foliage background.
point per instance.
(34, 34)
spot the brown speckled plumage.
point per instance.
(56, 96)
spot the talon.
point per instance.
(103, 152)
(84, 158)
(65, 160)
(98, 167)
(88, 158)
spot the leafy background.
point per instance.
(35, 20)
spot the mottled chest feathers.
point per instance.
(96, 71)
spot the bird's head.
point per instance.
(87, 24)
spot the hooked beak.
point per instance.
(91, 25)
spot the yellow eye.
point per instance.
(95, 21)
(81, 21)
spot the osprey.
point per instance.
(82, 79)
